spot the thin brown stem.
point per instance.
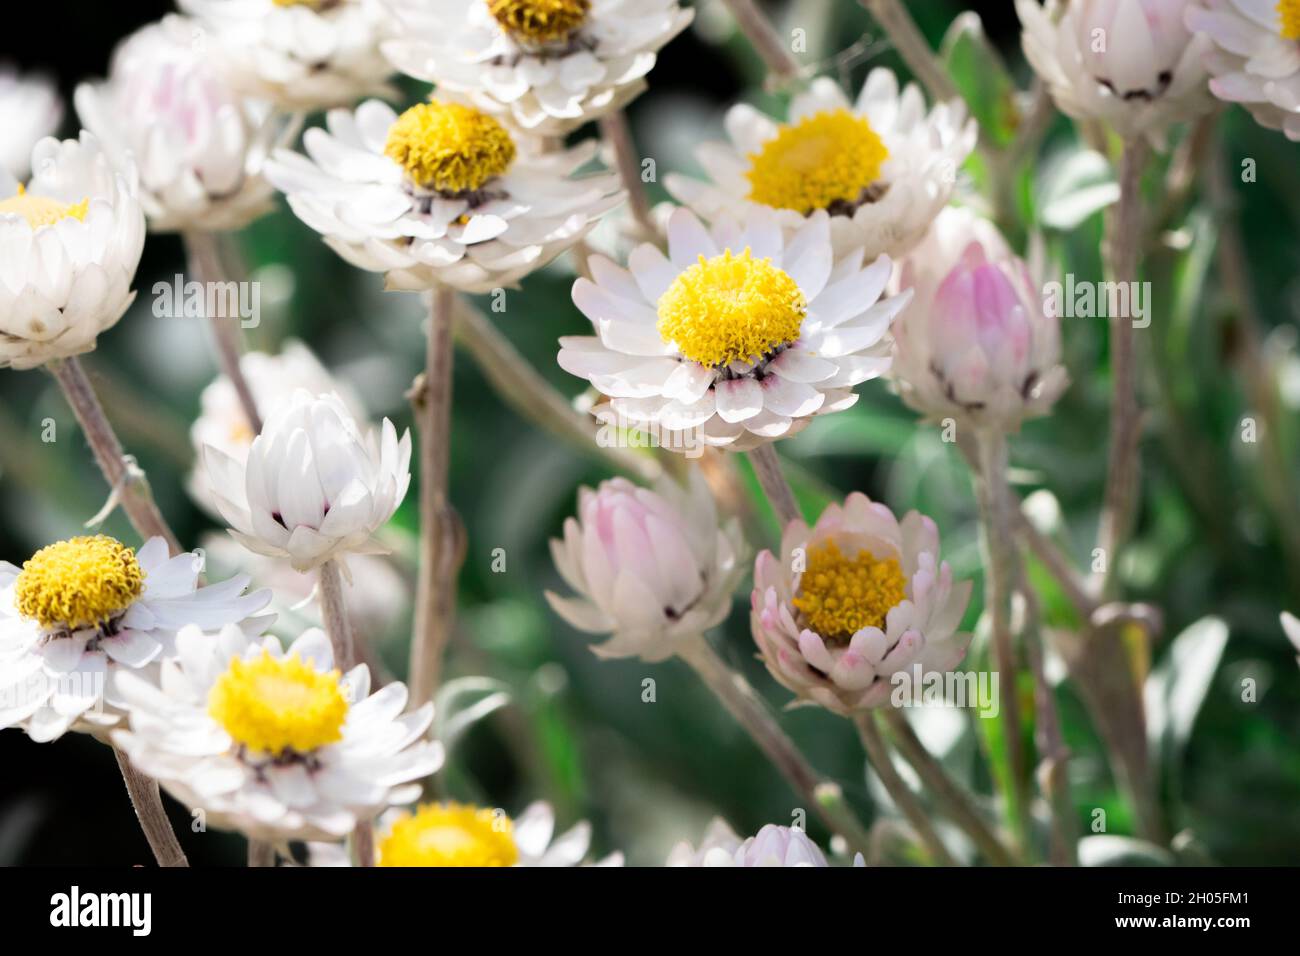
(334, 614)
(743, 703)
(149, 811)
(261, 854)
(363, 844)
(614, 127)
(906, 801)
(767, 43)
(913, 48)
(957, 803)
(767, 469)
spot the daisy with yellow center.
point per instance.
(449, 148)
(276, 705)
(450, 834)
(78, 583)
(42, 210)
(839, 595)
(827, 160)
(540, 22)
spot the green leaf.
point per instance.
(981, 77)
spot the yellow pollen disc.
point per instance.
(540, 21)
(450, 834)
(448, 147)
(1289, 12)
(839, 596)
(42, 210)
(272, 704)
(826, 158)
(78, 583)
(299, 3)
(730, 307)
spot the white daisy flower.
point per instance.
(881, 166)
(442, 194)
(300, 55)
(274, 380)
(1130, 63)
(549, 65)
(456, 834)
(1255, 60)
(30, 110)
(199, 145)
(852, 601)
(773, 845)
(71, 241)
(740, 336)
(82, 612)
(273, 743)
(313, 486)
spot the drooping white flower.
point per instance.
(313, 486)
(274, 743)
(1130, 63)
(81, 612)
(652, 568)
(30, 110)
(548, 65)
(442, 194)
(881, 166)
(300, 55)
(853, 600)
(773, 845)
(978, 343)
(740, 336)
(1255, 57)
(199, 146)
(71, 241)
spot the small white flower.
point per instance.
(904, 608)
(313, 487)
(881, 166)
(549, 65)
(740, 336)
(198, 145)
(30, 110)
(1130, 63)
(1255, 59)
(82, 612)
(301, 55)
(442, 194)
(275, 743)
(773, 845)
(71, 241)
(651, 567)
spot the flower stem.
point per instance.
(440, 535)
(363, 844)
(767, 43)
(149, 811)
(906, 801)
(614, 127)
(767, 469)
(123, 475)
(227, 334)
(912, 47)
(334, 614)
(741, 700)
(261, 853)
(956, 801)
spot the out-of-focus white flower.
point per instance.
(71, 242)
(30, 110)
(273, 379)
(739, 337)
(442, 194)
(1291, 627)
(651, 567)
(853, 600)
(549, 65)
(773, 845)
(881, 166)
(1255, 58)
(1130, 63)
(198, 145)
(978, 343)
(313, 486)
(81, 612)
(300, 55)
(275, 744)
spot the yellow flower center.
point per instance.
(448, 147)
(828, 158)
(730, 307)
(42, 210)
(301, 3)
(450, 834)
(1289, 12)
(273, 704)
(839, 595)
(78, 583)
(540, 22)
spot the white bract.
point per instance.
(773, 845)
